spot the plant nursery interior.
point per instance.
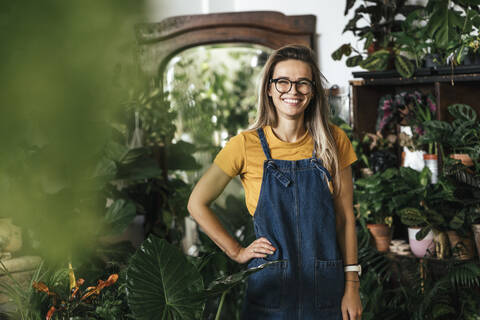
(111, 112)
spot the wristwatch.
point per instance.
(354, 267)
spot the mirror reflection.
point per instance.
(213, 90)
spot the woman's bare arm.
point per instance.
(347, 240)
(345, 220)
(208, 188)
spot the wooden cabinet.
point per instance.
(447, 88)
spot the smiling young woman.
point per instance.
(295, 168)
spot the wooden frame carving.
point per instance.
(159, 42)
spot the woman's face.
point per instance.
(291, 104)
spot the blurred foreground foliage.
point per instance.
(62, 82)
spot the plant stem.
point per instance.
(219, 311)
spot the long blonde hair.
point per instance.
(316, 116)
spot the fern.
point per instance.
(465, 275)
(26, 303)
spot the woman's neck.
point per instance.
(289, 131)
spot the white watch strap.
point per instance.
(356, 268)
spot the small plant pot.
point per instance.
(432, 61)
(421, 248)
(471, 59)
(462, 248)
(476, 235)
(382, 235)
(431, 161)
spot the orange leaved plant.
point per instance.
(78, 299)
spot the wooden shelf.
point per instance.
(366, 94)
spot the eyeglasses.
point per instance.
(284, 85)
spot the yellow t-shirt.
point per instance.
(243, 155)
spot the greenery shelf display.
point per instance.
(412, 39)
(444, 33)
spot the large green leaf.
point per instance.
(119, 215)
(404, 66)
(444, 24)
(106, 169)
(353, 61)
(377, 61)
(179, 156)
(345, 49)
(133, 155)
(143, 167)
(422, 233)
(463, 112)
(162, 284)
(411, 217)
(115, 151)
(435, 218)
(458, 220)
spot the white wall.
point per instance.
(330, 23)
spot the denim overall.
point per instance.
(295, 213)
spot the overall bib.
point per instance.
(295, 213)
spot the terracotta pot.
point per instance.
(421, 248)
(464, 159)
(462, 248)
(476, 234)
(10, 236)
(382, 234)
(431, 161)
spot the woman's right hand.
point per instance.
(257, 249)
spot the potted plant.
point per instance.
(410, 40)
(381, 149)
(459, 138)
(448, 26)
(468, 52)
(422, 207)
(467, 218)
(379, 51)
(372, 198)
(460, 236)
(417, 108)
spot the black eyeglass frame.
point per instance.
(312, 84)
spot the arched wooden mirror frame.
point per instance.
(159, 42)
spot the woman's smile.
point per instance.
(291, 101)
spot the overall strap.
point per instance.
(284, 180)
(264, 143)
(318, 163)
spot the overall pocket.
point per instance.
(267, 288)
(329, 283)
